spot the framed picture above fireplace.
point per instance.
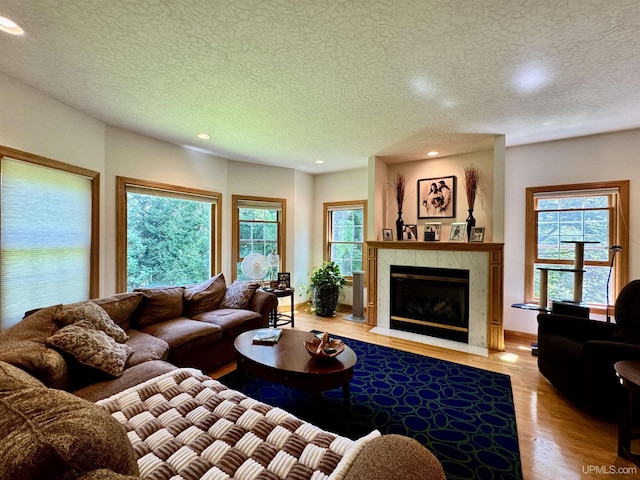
(437, 197)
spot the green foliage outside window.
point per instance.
(573, 219)
(168, 241)
(347, 235)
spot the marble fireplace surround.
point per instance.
(485, 264)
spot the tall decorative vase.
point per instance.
(399, 226)
(471, 222)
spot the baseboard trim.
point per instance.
(529, 337)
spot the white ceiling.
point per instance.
(288, 82)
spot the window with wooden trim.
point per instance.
(258, 226)
(592, 212)
(49, 223)
(167, 234)
(344, 234)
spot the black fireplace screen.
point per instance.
(430, 301)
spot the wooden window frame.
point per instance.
(235, 233)
(94, 177)
(121, 222)
(619, 234)
(326, 228)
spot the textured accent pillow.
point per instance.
(91, 347)
(204, 297)
(158, 305)
(92, 313)
(239, 295)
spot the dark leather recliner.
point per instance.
(577, 355)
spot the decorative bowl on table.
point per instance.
(324, 348)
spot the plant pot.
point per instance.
(325, 300)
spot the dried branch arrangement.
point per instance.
(400, 184)
(471, 180)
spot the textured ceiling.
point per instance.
(290, 82)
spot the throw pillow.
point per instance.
(158, 305)
(91, 347)
(92, 313)
(239, 295)
(204, 297)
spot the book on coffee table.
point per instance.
(267, 336)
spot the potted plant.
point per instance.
(325, 284)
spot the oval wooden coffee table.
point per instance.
(288, 363)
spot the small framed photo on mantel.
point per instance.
(458, 229)
(410, 231)
(477, 234)
(387, 235)
(432, 231)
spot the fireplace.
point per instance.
(430, 301)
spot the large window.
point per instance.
(344, 234)
(167, 235)
(258, 226)
(558, 215)
(49, 224)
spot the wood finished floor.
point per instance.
(557, 441)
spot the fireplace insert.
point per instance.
(430, 301)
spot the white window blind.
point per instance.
(45, 217)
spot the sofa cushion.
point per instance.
(239, 295)
(130, 377)
(158, 305)
(23, 345)
(145, 348)
(204, 297)
(182, 331)
(64, 436)
(232, 321)
(92, 313)
(91, 347)
(120, 306)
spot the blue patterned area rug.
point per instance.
(464, 415)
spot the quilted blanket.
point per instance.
(185, 425)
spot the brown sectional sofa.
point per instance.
(192, 326)
(47, 432)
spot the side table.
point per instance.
(629, 373)
(277, 319)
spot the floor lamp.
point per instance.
(613, 249)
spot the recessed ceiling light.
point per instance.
(319, 161)
(432, 153)
(204, 136)
(9, 26)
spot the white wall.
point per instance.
(612, 156)
(336, 187)
(295, 187)
(36, 123)
(137, 156)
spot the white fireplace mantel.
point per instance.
(484, 262)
